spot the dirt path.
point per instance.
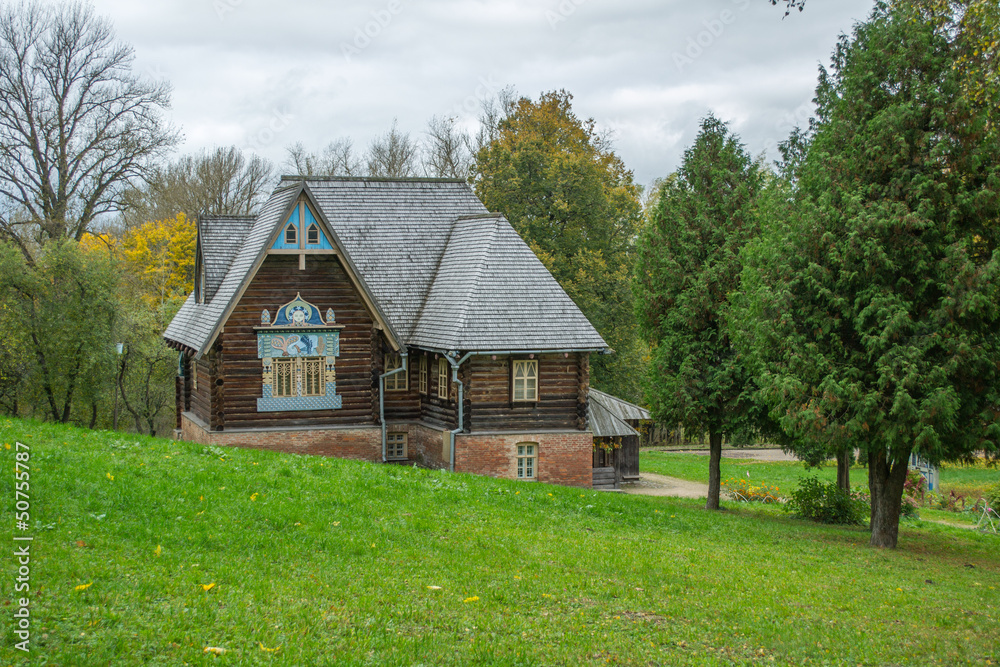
(651, 484)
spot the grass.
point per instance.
(965, 480)
(289, 560)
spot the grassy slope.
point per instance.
(333, 559)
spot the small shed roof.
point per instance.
(606, 415)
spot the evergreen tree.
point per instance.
(875, 303)
(688, 265)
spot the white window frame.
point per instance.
(443, 378)
(526, 465)
(422, 376)
(396, 382)
(528, 381)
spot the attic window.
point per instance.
(312, 234)
(291, 235)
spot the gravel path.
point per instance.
(651, 484)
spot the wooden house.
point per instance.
(386, 320)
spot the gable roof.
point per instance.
(441, 271)
(219, 239)
(606, 415)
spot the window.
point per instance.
(423, 374)
(525, 380)
(312, 234)
(395, 446)
(526, 460)
(291, 235)
(395, 382)
(443, 378)
(288, 373)
(284, 377)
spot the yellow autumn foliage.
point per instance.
(160, 254)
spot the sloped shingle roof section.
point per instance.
(444, 272)
(492, 293)
(395, 232)
(195, 322)
(221, 238)
(606, 415)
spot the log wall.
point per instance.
(324, 284)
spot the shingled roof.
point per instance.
(607, 415)
(443, 272)
(219, 239)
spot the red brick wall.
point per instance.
(363, 442)
(563, 458)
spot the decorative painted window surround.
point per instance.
(298, 351)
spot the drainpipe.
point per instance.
(381, 398)
(461, 398)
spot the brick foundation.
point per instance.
(363, 442)
(562, 457)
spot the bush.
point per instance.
(827, 503)
(992, 495)
(743, 491)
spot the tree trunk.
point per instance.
(93, 415)
(714, 472)
(885, 482)
(844, 457)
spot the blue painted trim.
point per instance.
(324, 243)
(331, 401)
(279, 243)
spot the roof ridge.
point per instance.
(477, 274)
(292, 178)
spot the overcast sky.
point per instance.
(262, 75)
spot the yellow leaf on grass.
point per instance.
(253, 497)
(269, 650)
(208, 587)
(474, 598)
(158, 550)
(111, 477)
(215, 649)
(83, 587)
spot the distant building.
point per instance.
(392, 320)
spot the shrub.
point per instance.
(992, 495)
(827, 503)
(743, 491)
(915, 485)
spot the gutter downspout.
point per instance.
(381, 397)
(461, 398)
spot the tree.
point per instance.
(874, 307)
(393, 155)
(688, 264)
(449, 153)
(219, 182)
(572, 199)
(337, 159)
(64, 305)
(77, 125)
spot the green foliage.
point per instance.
(63, 309)
(145, 523)
(992, 495)
(827, 503)
(873, 300)
(573, 201)
(687, 266)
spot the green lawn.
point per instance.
(314, 561)
(965, 480)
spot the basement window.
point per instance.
(527, 459)
(395, 446)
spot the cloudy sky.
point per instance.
(262, 75)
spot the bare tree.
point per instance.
(449, 150)
(393, 155)
(337, 159)
(77, 125)
(220, 182)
